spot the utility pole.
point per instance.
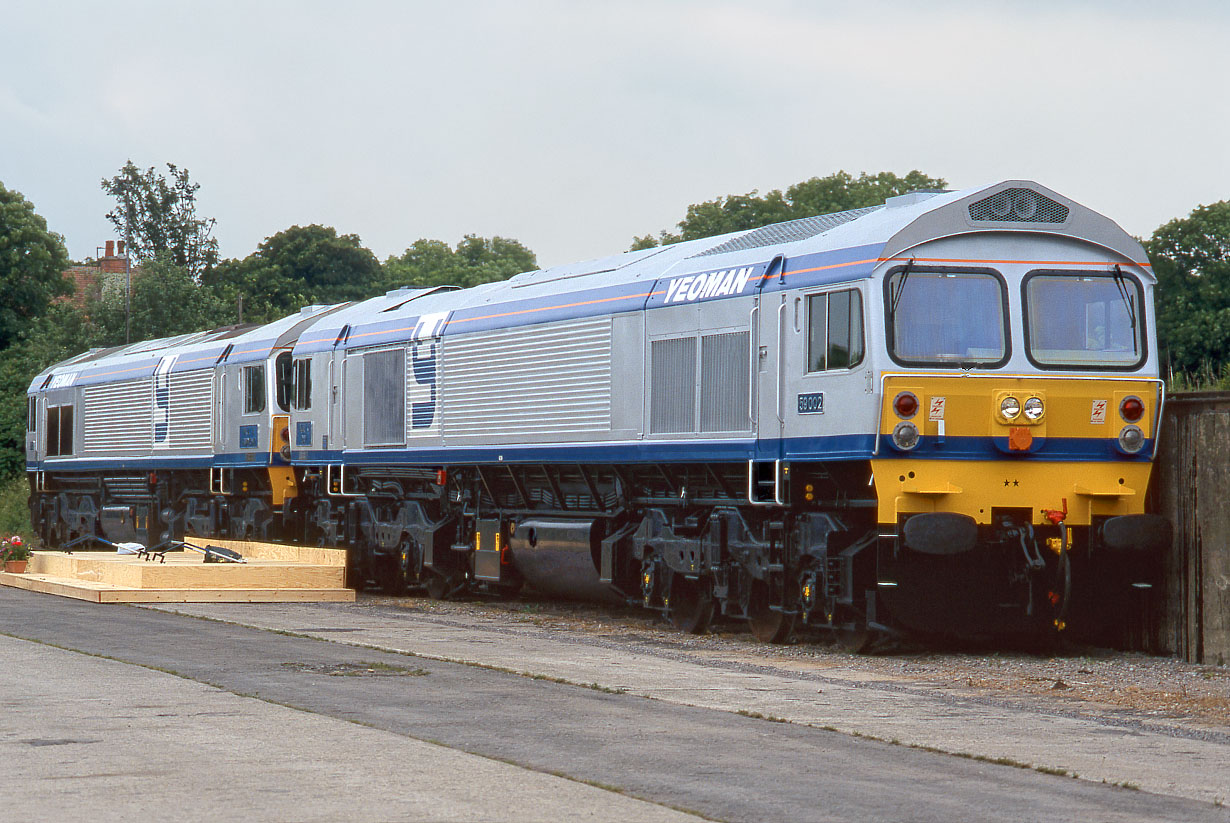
(127, 290)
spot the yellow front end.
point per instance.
(969, 458)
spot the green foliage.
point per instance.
(475, 260)
(165, 301)
(32, 262)
(60, 333)
(297, 267)
(819, 195)
(158, 217)
(1191, 259)
(15, 507)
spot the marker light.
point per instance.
(1034, 408)
(906, 405)
(905, 436)
(1131, 439)
(1131, 409)
(1010, 408)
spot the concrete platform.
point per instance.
(273, 573)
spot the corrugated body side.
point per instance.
(118, 417)
(724, 382)
(191, 410)
(551, 379)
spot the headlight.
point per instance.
(1025, 205)
(905, 436)
(1010, 408)
(1131, 439)
(1034, 408)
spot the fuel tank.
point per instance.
(562, 558)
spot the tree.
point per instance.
(165, 301)
(32, 263)
(61, 332)
(156, 216)
(475, 260)
(1191, 259)
(819, 195)
(296, 267)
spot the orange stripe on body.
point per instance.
(1008, 262)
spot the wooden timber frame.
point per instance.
(272, 573)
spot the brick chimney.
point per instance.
(113, 262)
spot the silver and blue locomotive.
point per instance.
(937, 415)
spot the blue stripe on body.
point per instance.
(822, 268)
(837, 266)
(836, 448)
(1075, 449)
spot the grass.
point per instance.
(14, 511)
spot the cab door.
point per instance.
(825, 372)
(768, 326)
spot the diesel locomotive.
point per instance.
(936, 415)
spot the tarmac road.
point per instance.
(357, 747)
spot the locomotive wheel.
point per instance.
(390, 576)
(507, 591)
(440, 586)
(767, 625)
(855, 640)
(691, 605)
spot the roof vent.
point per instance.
(910, 198)
(788, 232)
(1018, 206)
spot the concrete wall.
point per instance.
(1190, 616)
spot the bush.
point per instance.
(14, 508)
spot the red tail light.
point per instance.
(1131, 409)
(905, 405)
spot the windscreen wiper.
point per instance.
(894, 296)
(1128, 300)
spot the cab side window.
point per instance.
(59, 431)
(303, 384)
(253, 389)
(284, 384)
(834, 330)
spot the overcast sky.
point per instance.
(573, 126)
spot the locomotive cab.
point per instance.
(1018, 418)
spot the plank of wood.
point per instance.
(95, 592)
(257, 550)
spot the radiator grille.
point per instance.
(672, 401)
(384, 398)
(526, 381)
(724, 382)
(118, 417)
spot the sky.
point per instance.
(574, 126)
